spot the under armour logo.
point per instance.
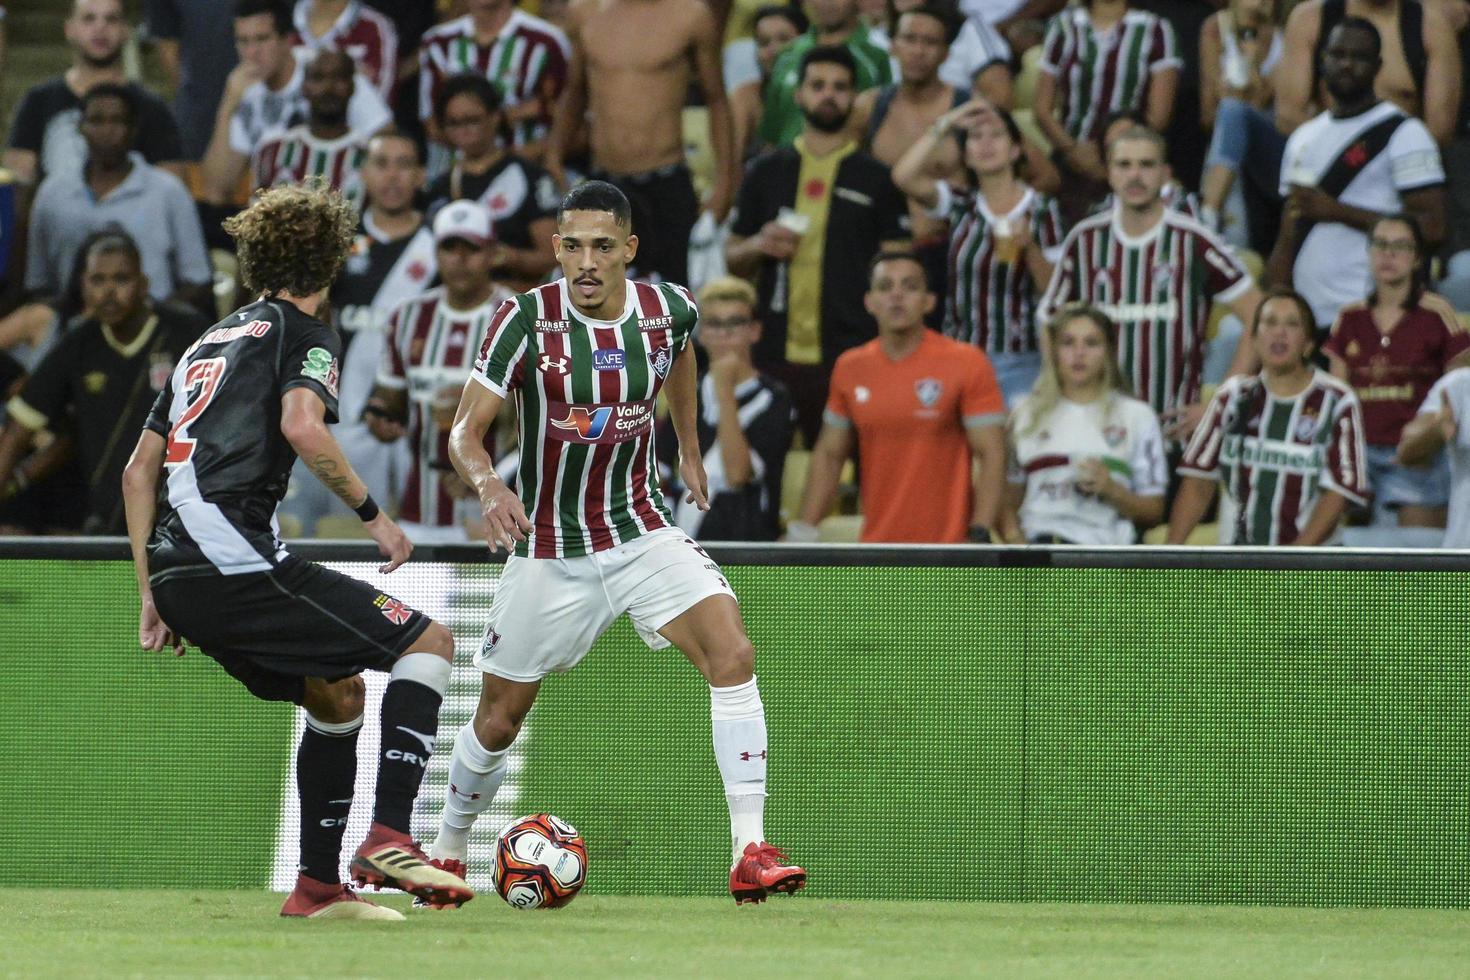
(747, 756)
(427, 740)
(551, 364)
(456, 791)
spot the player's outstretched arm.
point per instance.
(303, 423)
(140, 495)
(682, 391)
(505, 516)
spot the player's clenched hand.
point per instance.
(153, 632)
(393, 544)
(505, 517)
(691, 471)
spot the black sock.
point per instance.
(410, 723)
(326, 768)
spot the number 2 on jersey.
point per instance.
(204, 376)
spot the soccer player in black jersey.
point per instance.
(251, 395)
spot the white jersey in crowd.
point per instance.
(263, 113)
(1123, 432)
(1455, 385)
(1332, 264)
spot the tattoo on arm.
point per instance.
(325, 468)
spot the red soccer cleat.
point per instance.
(456, 868)
(761, 870)
(312, 899)
(390, 859)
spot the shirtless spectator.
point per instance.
(484, 41)
(353, 27)
(263, 97)
(979, 60)
(44, 136)
(632, 62)
(1421, 61)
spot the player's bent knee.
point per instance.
(335, 702)
(436, 640)
(731, 663)
(498, 732)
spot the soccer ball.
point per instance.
(540, 862)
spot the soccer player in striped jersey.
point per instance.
(1286, 444)
(526, 57)
(324, 146)
(1155, 272)
(591, 538)
(1099, 57)
(431, 345)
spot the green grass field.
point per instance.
(162, 933)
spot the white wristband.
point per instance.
(800, 532)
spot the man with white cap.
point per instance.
(430, 349)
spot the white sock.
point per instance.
(474, 777)
(738, 722)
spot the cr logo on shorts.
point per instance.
(614, 422)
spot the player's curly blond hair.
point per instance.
(293, 239)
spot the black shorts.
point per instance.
(665, 208)
(271, 630)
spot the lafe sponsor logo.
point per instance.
(608, 359)
(616, 422)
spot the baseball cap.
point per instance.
(462, 219)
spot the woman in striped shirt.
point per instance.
(1101, 57)
(1004, 238)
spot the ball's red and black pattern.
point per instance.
(540, 862)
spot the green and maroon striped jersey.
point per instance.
(1158, 289)
(296, 155)
(1100, 72)
(585, 393)
(1275, 456)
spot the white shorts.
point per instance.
(547, 612)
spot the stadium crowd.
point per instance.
(1096, 272)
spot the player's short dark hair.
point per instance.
(293, 238)
(1309, 319)
(793, 15)
(112, 90)
(828, 54)
(898, 255)
(467, 83)
(280, 13)
(1367, 27)
(947, 15)
(597, 195)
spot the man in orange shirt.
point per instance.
(921, 407)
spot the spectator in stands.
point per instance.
(102, 377)
(325, 146)
(1391, 349)
(1175, 195)
(1436, 429)
(1021, 22)
(776, 26)
(834, 23)
(44, 137)
(117, 186)
(978, 59)
(810, 215)
(1003, 240)
(1155, 272)
(1419, 70)
(632, 65)
(920, 409)
(1286, 444)
(196, 44)
(520, 197)
(1240, 49)
(889, 120)
(367, 36)
(526, 57)
(1100, 57)
(392, 262)
(430, 349)
(1087, 463)
(1346, 168)
(264, 97)
(745, 425)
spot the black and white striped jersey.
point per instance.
(227, 463)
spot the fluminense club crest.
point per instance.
(928, 390)
(661, 359)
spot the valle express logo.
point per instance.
(602, 423)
